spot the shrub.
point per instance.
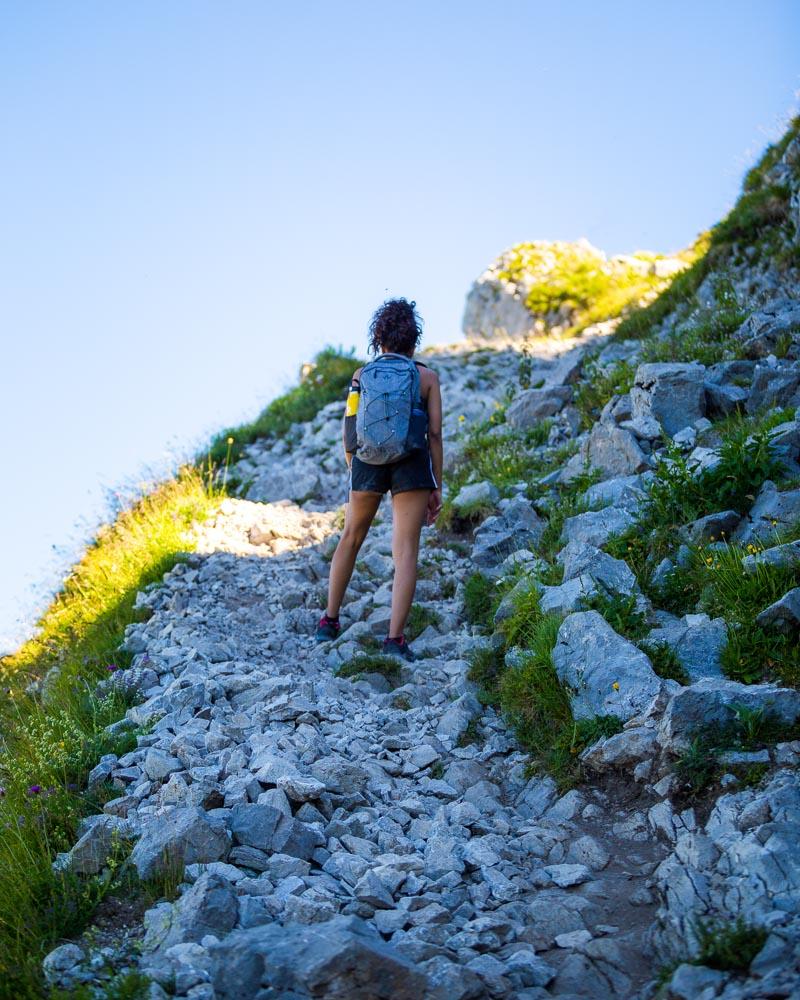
(621, 613)
(485, 668)
(665, 661)
(728, 945)
(480, 598)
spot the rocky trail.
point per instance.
(372, 836)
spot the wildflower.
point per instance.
(34, 789)
(461, 418)
(615, 685)
(230, 440)
(112, 667)
(2, 791)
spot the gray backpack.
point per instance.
(390, 421)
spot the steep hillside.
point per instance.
(587, 785)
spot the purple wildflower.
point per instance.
(112, 666)
(34, 789)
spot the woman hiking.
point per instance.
(382, 419)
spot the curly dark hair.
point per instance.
(395, 326)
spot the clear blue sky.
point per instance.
(197, 196)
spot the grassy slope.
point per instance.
(713, 579)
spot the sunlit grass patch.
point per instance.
(52, 740)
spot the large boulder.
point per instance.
(712, 527)
(90, 853)
(475, 496)
(712, 702)
(773, 387)
(620, 491)
(180, 837)
(697, 640)
(670, 392)
(518, 526)
(762, 330)
(595, 527)
(622, 750)
(615, 451)
(773, 511)
(210, 906)
(784, 445)
(783, 614)
(533, 405)
(613, 575)
(606, 674)
(608, 448)
(342, 959)
(779, 556)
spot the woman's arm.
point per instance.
(349, 419)
(435, 444)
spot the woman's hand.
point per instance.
(434, 506)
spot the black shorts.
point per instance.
(415, 472)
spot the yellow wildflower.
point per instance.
(615, 685)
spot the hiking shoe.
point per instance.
(398, 647)
(328, 628)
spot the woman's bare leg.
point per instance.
(408, 513)
(359, 513)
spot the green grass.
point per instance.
(480, 600)
(322, 382)
(54, 744)
(708, 339)
(419, 618)
(698, 766)
(125, 986)
(754, 179)
(715, 582)
(601, 383)
(370, 663)
(621, 613)
(665, 661)
(503, 459)
(728, 945)
(641, 322)
(531, 697)
(485, 668)
(677, 495)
